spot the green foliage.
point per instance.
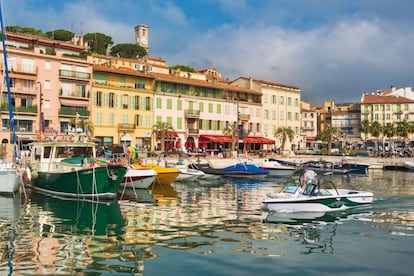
(284, 133)
(128, 50)
(98, 42)
(184, 68)
(61, 35)
(25, 30)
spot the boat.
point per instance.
(238, 170)
(356, 168)
(164, 175)
(409, 165)
(318, 196)
(276, 169)
(69, 168)
(139, 177)
(10, 170)
(188, 174)
(316, 165)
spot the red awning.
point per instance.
(311, 138)
(173, 135)
(204, 138)
(257, 140)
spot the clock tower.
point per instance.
(141, 36)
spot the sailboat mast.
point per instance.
(11, 116)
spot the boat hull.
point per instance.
(297, 203)
(88, 183)
(10, 181)
(139, 178)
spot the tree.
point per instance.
(404, 128)
(184, 68)
(389, 130)
(284, 133)
(128, 50)
(98, 42)
(376, 129)
(162, 130)
(62, 35)
(328, 135)
(25, 30)
(365, 127)
(231, 130)
(85, 124)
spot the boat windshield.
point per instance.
(291, 189)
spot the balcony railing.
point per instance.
(22, 69)
(73, 111)
(191, 113)
(193, 131)
(74, 94)
(22, 109)
(68, 74)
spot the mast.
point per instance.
(6, 67)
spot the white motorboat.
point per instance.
(318, 196)
(276, 169)
(139, 177)
(188, 174)
(409, 165)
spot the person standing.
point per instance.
(308, 176)
(220, 151)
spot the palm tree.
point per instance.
(376, 129)
(365, 127)
(85, 124)
(231, 130)
(404, 128)
(389, 130)
(328, 135)
(162, 130)
(284, 133)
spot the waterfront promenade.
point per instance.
(374, 162)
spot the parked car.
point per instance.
(311, 151)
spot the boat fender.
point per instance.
(27, 176)
(34, 174)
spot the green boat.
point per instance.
(70, 169)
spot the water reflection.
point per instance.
(203, 224)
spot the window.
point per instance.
(148, 103)
(136, 102)
(111, 99)
(179, 123)
(47, 84)
(210, 108)
(125, 101)
(137, 120)
(289, 101)
(159, 103)
(169, 104)
(219, 109)
(179, 105)
(201, 107)
(98, 98)
(282, 100)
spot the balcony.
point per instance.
(73, 75)
(74, 94)
(192, 113)
(193, 131)
(126, 127)
(66, 111)
(244, 117)
(20, 109)
(22, 69)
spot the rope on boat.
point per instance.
(79, 186)
(94, 187)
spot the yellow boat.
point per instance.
(164, 175)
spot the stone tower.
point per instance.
(141, 36)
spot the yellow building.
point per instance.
(122, 103)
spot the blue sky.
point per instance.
(331, 49)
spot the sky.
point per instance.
(330, 49)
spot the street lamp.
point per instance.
(41, 116)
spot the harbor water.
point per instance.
(210, 228)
